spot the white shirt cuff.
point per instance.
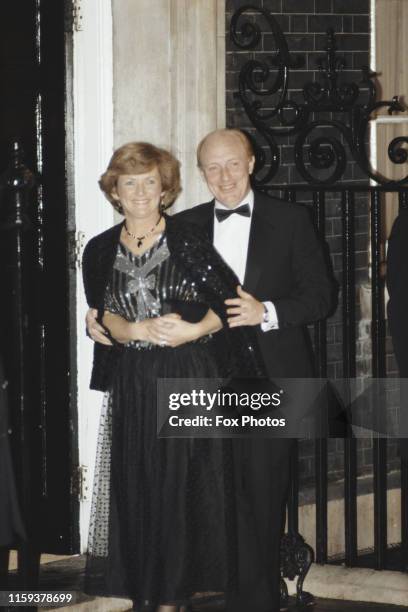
(273, 318)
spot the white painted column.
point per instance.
(93, 140)
(197, 86)
(169, 78)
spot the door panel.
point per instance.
(33, 59)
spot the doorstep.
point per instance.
(355, 584)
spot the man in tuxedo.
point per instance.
(273, 249)
(271, 246)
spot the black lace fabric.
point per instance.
(163, 523)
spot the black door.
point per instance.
(35, 44)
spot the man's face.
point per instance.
(226, 167)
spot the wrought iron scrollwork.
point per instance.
(255, 75)
(296, 559)
(324, 153)
(398, 154)
(332, 95)
(322, 144)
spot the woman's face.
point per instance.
(139, 194)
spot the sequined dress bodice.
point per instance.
(147, 286)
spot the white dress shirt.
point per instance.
(231, 239)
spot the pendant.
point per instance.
(139, 243)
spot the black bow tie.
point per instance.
(222, 214)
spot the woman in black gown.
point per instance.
(163, 513)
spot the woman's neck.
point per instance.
(141, 226)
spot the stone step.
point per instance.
(103, 604)
(336, 588)
(93, 604)
(356, 584)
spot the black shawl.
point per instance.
(237, 348)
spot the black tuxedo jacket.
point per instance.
(285, 264)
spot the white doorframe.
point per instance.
(93, 143)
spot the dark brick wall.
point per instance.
(304, 23)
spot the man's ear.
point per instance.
(251, 164)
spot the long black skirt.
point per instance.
(163, 523)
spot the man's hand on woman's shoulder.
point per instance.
(95, 330)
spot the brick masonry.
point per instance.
(304, 23)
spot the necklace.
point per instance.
(141, 238)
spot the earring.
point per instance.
(162, 206)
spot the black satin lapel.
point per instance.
(210, 226)
(259, 235)
(204, 216)
(209, 222)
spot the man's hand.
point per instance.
(95, 330)
(244, 310)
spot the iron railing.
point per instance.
(327, 126)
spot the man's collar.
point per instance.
(249, 199)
